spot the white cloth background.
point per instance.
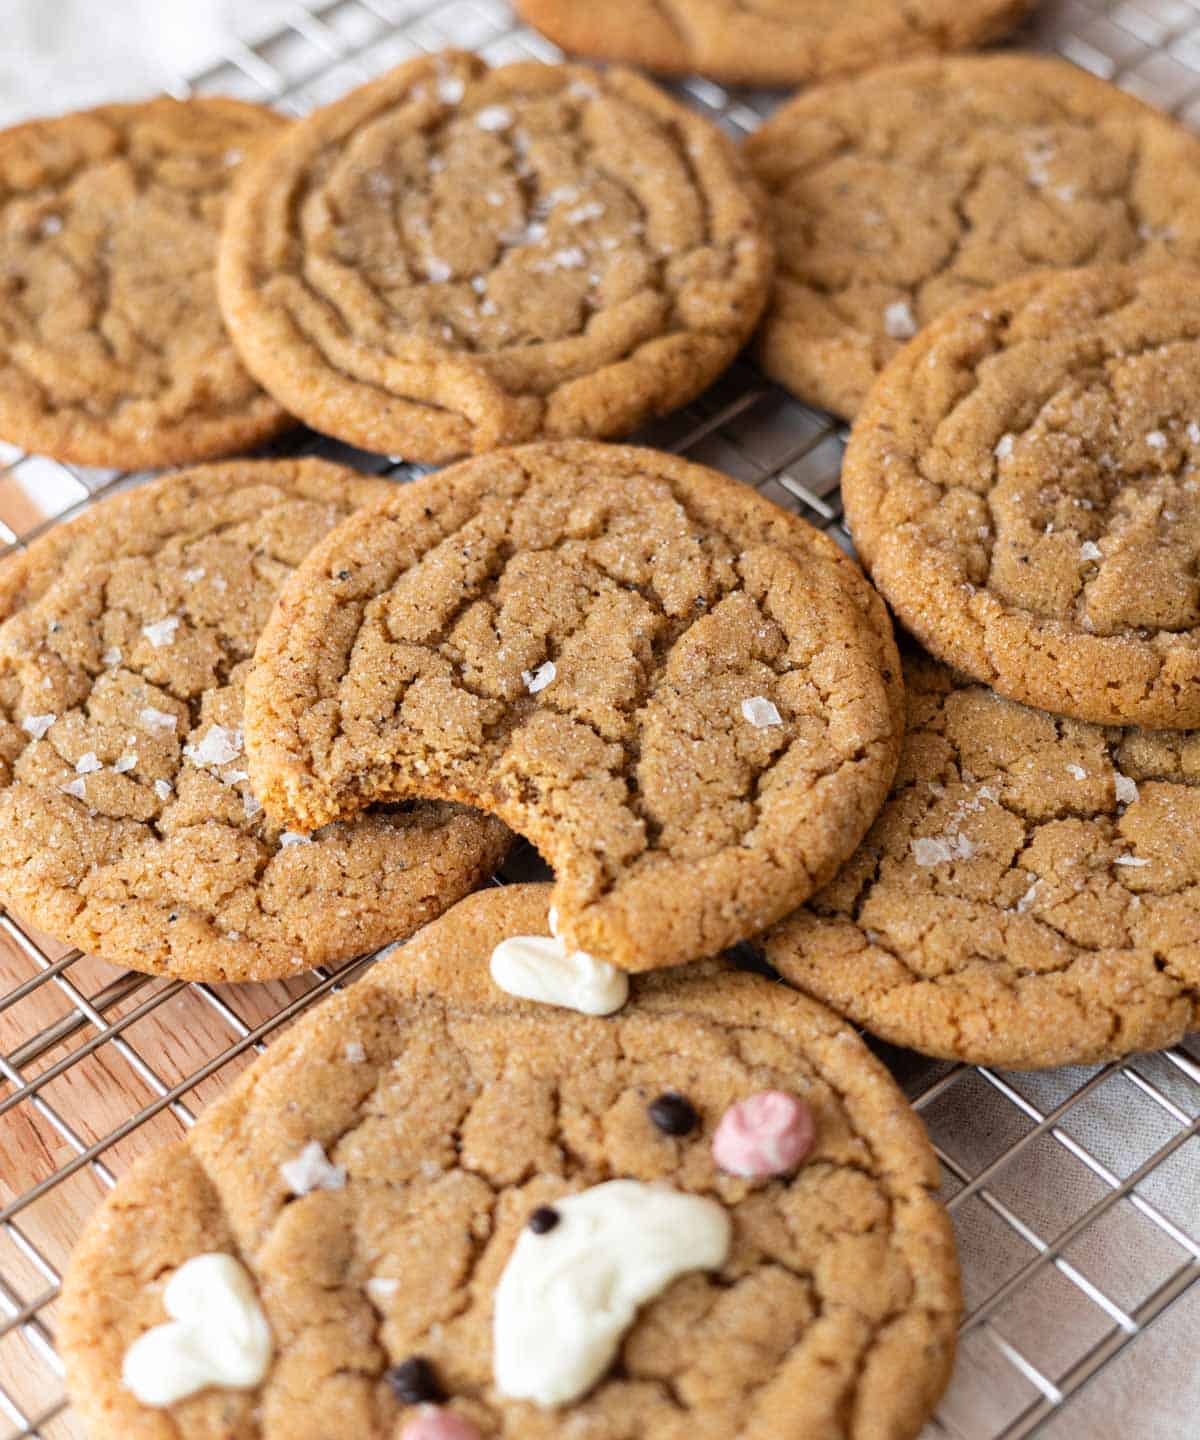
(60, 54)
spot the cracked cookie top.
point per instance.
(127, 823)
(901, 194)
(686, 698)
(769, 42)
(454, 258)
(1023, 487)
(112, 347)
(1029, 896)
(444, 1119)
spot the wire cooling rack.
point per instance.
(1075, 1193)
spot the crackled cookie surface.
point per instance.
(1023, 487)
(127, 823)
(455, 258)
(112, 347)
(446, 1122)
(900, 194)
(769, 42)
(685, 697)
(1029, 896)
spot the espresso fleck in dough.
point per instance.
(898, 195)
(1023, 487)
(454, 258)
(833, 1315)
(112, 347)
(128, 825)
(671, 823)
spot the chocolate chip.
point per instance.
(544, 1218)
(673, 1114)
(413, 1382)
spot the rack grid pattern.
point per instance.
(1076, 1193)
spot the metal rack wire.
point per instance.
(1076, 1193)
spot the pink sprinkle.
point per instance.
(768, 1134)
(435, 1424)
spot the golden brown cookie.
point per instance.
(112, 347)
(685, 697)
(769, 42)
(900, 194)
(442, 1122)
(454, 258)
(127, 823)
(1023, 486)
(1029, 896)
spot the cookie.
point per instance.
(454, 258)
(903, 193)
(112, 347)
(1022, 485)
(127, 823)
(422, 1150)
(685, 697)
(769, 42)
(1029, 896)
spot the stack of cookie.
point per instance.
(591, 1158)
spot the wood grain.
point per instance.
(103, 1082)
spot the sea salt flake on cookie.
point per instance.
(1126, 789)
(930, 851)
(125, 762)
(537, 680)
(162, 788)
(218, 746)
(1130, 860)
(157, 720)
(761, 712)
(1156, 440)
(88, 763)
(494, 117)
(1076, 772)
(293, 837)
(37, 725)
(381, 1288)
(1089, 550)
(111, 657)
(899, 320)
(311, 1170)
(161, 632)
(78, 788)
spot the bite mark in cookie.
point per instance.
(394, 663)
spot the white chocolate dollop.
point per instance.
(217, 1335)
(540, 967)
(568, 1294)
